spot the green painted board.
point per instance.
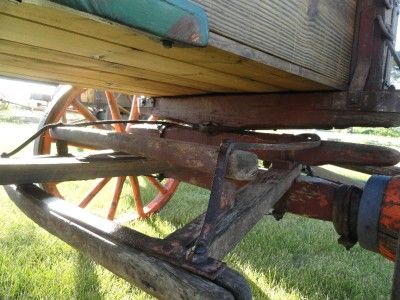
(174, 20)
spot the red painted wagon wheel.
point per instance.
(68, 97)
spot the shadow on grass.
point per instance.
(86, 279)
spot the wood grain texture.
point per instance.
(62, 58)
(106, 80)
(314, 34)
(224, 66)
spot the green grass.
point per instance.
(294, 258)
(389, 132)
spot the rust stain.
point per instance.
(386, 252)
(390, 215)
(390, 211)
(323, 202)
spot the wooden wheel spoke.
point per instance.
(156, 184)
(85, 112)
(136, 195)
(114, 109)
(134, 113)
(97, 188)
(117, 195)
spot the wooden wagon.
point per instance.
(202, 77)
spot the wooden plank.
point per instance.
(14, 29)
(317, 35)
(42, 54)
(58, 169)
(243, 61)
(242, 165)
(107, 80)
(35, 76)
(153, 275)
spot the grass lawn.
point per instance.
(294, 258)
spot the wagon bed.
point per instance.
(268, 47)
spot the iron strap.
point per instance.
(369, 212)
(198, 254)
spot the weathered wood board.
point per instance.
(45, 41)
(314, 34)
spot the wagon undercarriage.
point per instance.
(238, 200)
(215, 141)
(222, 159)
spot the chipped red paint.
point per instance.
(310, 197)
(389, 223)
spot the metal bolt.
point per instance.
(167, 43)
(197, 254)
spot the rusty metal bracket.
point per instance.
(198, 254)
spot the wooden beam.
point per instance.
(283, 110)
(153, 275)
(252, 203)
(57, 169)
(329, 152)
(242, 165)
